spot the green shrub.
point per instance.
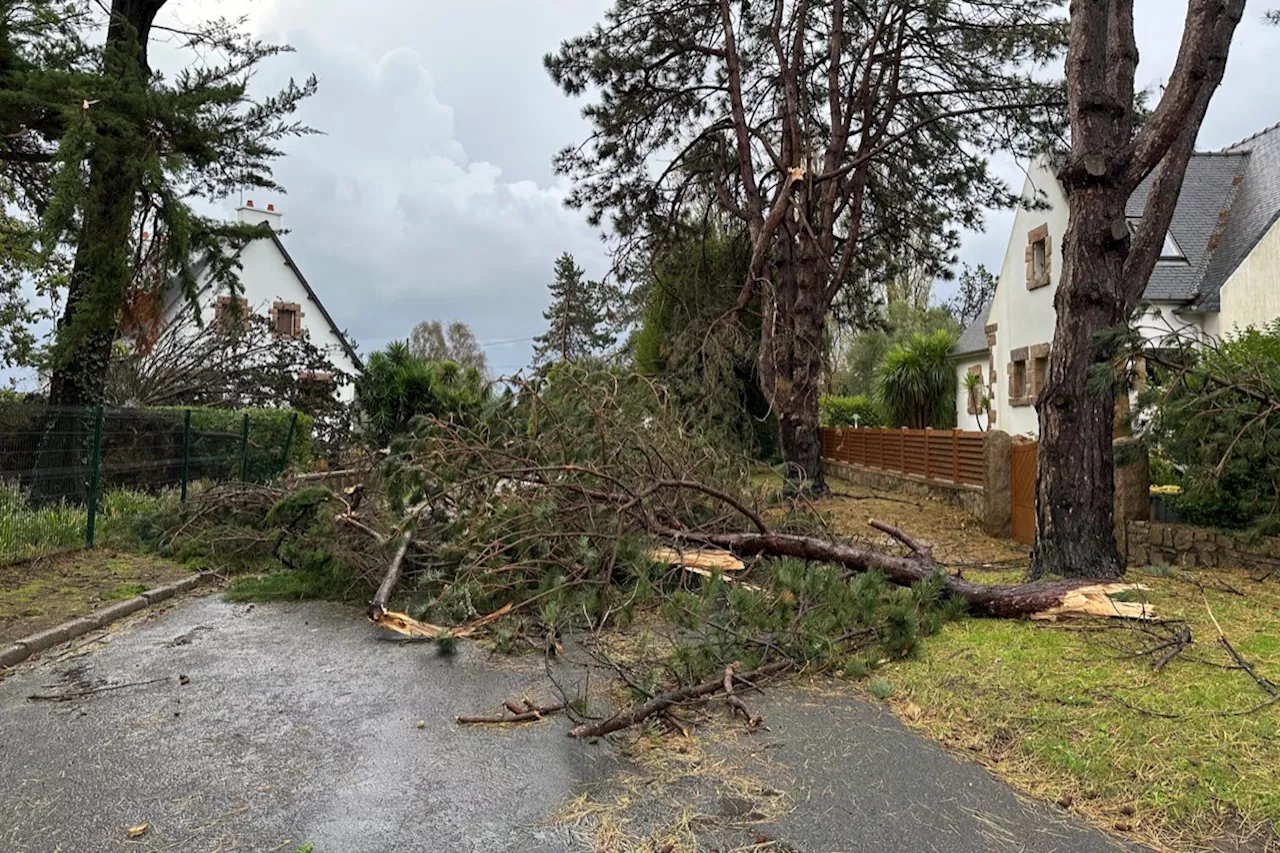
(1212, 428)
(836, 411)
(397, 387)
(917, 382)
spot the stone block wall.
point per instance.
(966, 497)
(1198, 547)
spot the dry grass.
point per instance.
(1051, 708)
(673, 792)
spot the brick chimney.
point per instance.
(254, 214)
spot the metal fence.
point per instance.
(63, 468)
(949, 455)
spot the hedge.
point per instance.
(836, 411)
(217, 433)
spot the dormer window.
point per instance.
(1170, 252)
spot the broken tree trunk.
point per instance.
(1017, 601)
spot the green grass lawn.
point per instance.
(1051, 707)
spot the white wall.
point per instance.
(1251, 296)
(964, 420)
(267, 279)
(1024, 317)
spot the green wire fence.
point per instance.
(65, 471)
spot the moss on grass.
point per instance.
(41, 593)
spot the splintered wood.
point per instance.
(403, 623)
(698, 558)
(705, 562)
(1098, 600)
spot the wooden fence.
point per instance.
(953, 456)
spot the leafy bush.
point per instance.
(840, 411)
(917, 382)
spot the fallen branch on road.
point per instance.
(90, 691)
(663, 701)
(516, 714)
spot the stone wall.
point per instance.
(1203, 547)
(967, 498)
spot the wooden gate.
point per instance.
(1022, 490)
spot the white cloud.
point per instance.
(393, 223)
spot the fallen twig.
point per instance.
(663, 701)
(77, 694)
(515, 714)
(736, 705)
(872, 497)
(1175, 646)
(1264, 683)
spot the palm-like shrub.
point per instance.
(917, 382)
(398, 386)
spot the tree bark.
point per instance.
(1075, 489)
(1104, 271)
(791, 367)
(1016, 601)
(102, 270)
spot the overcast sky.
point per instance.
(431, 196)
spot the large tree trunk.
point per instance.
(791, 367)
(1104, 271)
(1075, 490)
(102, 270)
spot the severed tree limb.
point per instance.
(378, 605)
(1015, 601)
(663, 701)
(528, 714)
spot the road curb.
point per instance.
(27, 646)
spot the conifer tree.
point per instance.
(118, 151)
(834, 131)
(577, 317)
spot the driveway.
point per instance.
(296, 724)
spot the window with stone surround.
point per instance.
(975, 390)
(1028, 373)
(231, 313)
(1039, 257)
(286, 319)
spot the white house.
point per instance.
(274, 286)
(1219, 272)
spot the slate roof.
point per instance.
(1253, 211)
(1211, 182)
(973, 339)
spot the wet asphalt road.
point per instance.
(298, 725)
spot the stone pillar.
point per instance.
(1133, 487)
(997, 507)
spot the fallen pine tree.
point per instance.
(572, 506)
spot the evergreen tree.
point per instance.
(835, 131)
(118, 151)
(577, 317)
(1105, 268)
